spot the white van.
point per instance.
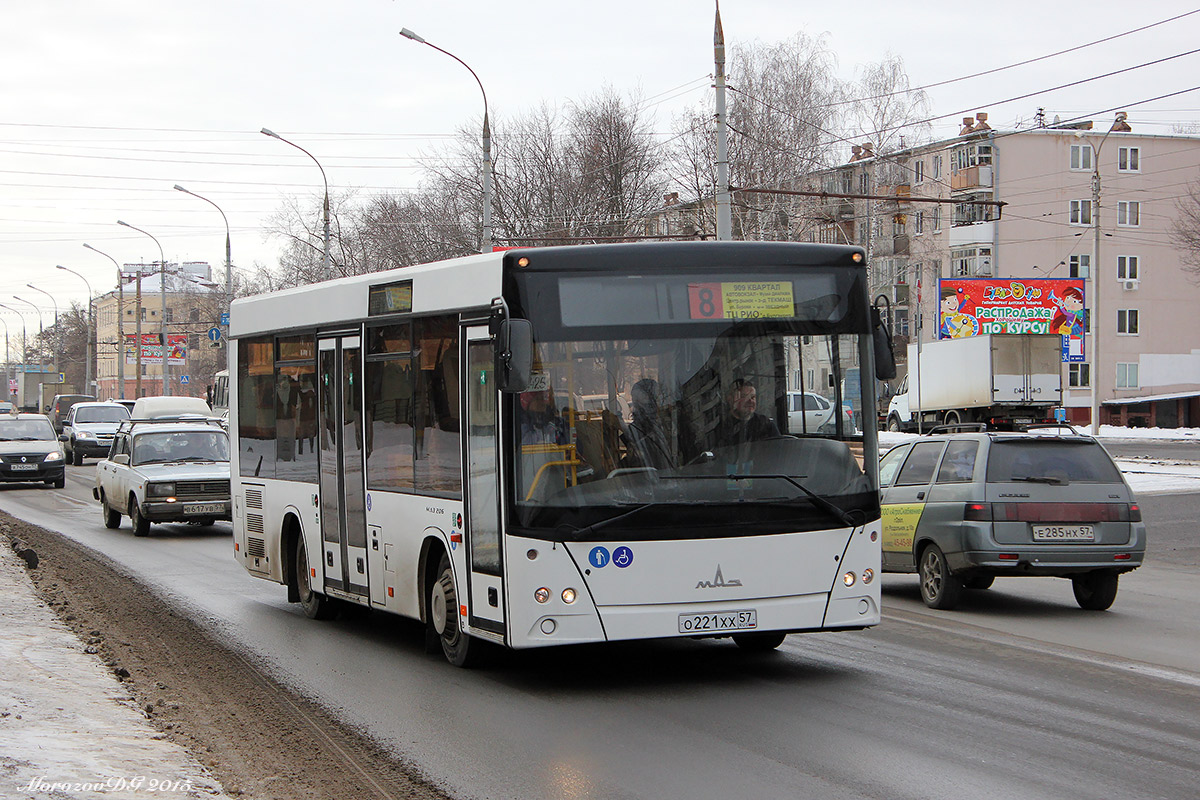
(161, 406)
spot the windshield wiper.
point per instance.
(851, 519)
(1053, 480)
(578, 534)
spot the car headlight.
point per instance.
(55, 456)
(84, 435)
(160, 489)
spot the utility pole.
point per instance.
(724, 215)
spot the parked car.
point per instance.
(809, 412)
(161, 406)
(165, 470)
(30, 450)
(964, 508)
(61, 404)
(89, 428)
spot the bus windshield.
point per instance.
(742, 431)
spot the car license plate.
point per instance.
(718, 621)
(1064, 533)
(203, 508)
(23, 467)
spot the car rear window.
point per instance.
(1050, 461)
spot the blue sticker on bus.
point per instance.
(598, 557)
(622, 556)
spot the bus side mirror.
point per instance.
(514, 355)
(885, 355)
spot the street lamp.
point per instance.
(24, 339)
(87, 369)
(7, 360)
(57, 329)
(228, 256)
(325, 231)
(121, 322)
(486, 245)
(162, 281)
(41, 354)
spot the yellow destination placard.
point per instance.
(757, 299)
(900, 525)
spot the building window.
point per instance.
(1127, 375)
(1081, 157)
(1079, 375)
(864, 182)
(1127, 321)
(918, 171)
(1129, 159)
(898, 223)
(936, 218)
(937, 167)
(919, 223)
(1080, 265)
(971, 262)
(1127, 268)
(170, 315)
(1129, 213)
(1081, 212)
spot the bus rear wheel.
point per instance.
(459, 648)
(314, 604)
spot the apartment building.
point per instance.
(1021, 205)
(193, 302)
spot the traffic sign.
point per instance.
(184, 379)
(224, 317)
(214, 334)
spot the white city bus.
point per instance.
(551, 446)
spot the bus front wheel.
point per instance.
(459, 648)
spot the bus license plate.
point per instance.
(718, 621)
(23, 467)
(203, 508)
(1064, 533)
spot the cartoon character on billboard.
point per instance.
(1068, 319)
(957, 324)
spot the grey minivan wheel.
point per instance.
(980, 582)
(1095, 591)
(939, 589)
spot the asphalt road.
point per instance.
(1019, 695)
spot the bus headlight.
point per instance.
(542, 595)
(568, 596)
(868, 575)
(849, 578)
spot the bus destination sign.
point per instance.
(741, 300)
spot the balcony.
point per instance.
(977, 177)
(976, 233)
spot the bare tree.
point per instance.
(885, 111)
(1185, 230)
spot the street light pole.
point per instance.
(1094, 275)
(91, 327)
(325, 233)
(121, 322)
(41, 330)
(228, 256)
(485, 246)
(7, 360)
(24, 339)
(57, 329)
(162, 281)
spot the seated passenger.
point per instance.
(645, 437)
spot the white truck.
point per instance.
(1004, 380)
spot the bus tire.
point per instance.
(939, 589)
(459, 648)
(314, 604)
(759, 642)
(1095, 591)
(141, 525)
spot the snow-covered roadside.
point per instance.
(68, 729)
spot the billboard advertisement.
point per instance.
(152, 349)
(978, 306)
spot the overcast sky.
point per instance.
(107, 105)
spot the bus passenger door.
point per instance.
(482, 524)
(343, 496)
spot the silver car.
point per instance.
(961, 509)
